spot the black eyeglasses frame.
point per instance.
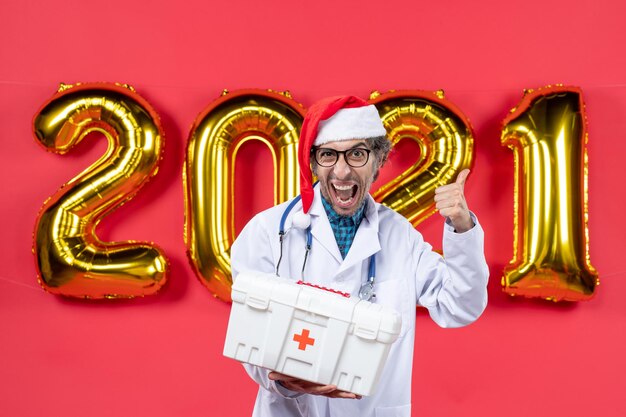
(344, 153)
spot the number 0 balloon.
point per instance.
(71, 260)
(216, 136)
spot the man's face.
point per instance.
(343, 186)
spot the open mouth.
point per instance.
(344, 194)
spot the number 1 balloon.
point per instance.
(547, 133)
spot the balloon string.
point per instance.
(199, 88)
(10, 281)
(611, 274)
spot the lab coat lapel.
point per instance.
(320, 227)
(366, 242)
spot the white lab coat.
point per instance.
(408, 273)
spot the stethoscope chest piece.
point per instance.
(366, 292)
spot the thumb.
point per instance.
(460, 179)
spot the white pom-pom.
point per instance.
(301, 220)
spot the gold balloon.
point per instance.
(547, 133)
(71, 260)
(446, 143)
(216, 136)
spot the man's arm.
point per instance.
(252, 251)
(453, 288)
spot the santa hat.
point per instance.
(330, 120)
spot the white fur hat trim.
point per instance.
(351, 123)
(301, 220)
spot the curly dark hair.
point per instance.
(381, 147)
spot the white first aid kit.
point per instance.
(309, 332)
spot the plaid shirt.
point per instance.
(344, 227)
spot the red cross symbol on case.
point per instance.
(303, 339)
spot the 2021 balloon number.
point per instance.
(547, 133)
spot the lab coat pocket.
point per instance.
(394, 293)
(399, 411)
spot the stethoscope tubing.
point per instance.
(367, 289)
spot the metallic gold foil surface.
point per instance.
(547, 132)
(444, 136)
(71, 259)
(217, 134)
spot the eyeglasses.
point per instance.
(355, 157)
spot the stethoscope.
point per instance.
(366, 292)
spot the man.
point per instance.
(343, 141)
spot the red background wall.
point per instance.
(161, 355)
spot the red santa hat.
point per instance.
(330, 120)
